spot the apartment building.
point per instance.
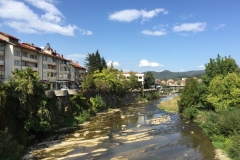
(54, 70)
(139, 75)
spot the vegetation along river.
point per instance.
(139, 131)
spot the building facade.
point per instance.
(54, 70)
(139, 75)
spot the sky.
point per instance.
(133, 35)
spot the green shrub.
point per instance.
(97, 103)
(9, 148)
(84, 116)
(190, 112)
(234, 151)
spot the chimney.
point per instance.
(76, 63)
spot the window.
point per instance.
(50, 74)
(65, 75)
(44, 66)
(32, 65)
(67, 63)
(17, 53)
(24, 63)
(1, 58)
(61, 76)
(24, 54)
(44, 74)
(44, 58)
(72, 75)
(53, 59)
(1, 47)
(16, 63)
(61, 68)
(33, 56)
(60, 61)
(139, 77)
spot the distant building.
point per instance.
(139, 75)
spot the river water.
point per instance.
(126, 133)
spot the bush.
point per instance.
(84, 116)
(190, 112)
(97, 103)
(9, 148)
(234, 151)
(226, 123)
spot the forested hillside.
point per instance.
(168, 74)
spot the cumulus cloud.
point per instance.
(201, 67)
(145, 63)
(75, 57)
(219, 26)
(154, 33)
(129, 15)
(115, 64)
(85, 32)
(190, 27)
(19, 16)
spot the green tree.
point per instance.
(88, 82)
(94, 62)
(224, 92)
(189, 96)
(26, 112)
(218, 66)
(133, 81)
(149, 80)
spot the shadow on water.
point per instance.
(126, 134)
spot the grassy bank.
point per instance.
(169, 105)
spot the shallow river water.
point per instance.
(127, 133)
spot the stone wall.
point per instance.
(110, 100)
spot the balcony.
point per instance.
(52, 63)
(52, 79)
(1, 62)
(63, 65)
(1, 73)
(64, 72)
(72, 91)
(29, 59)
(1, 53)
(33, 68)
(51, 70)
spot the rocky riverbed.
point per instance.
(139, 131)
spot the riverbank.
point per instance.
(172, 106)
(169, 105)
(137, 131)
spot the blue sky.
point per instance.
(136, 35)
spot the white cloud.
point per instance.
(190, 27)
(19, 16)
(154, 33)
(75, 57)
(145, 63)
(219, 26)
(115, 64)
(182, 70)
(160, 26)
(129, 15)
(85, 32)
(201, 67)
(186, 17)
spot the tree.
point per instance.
(218, 66)
(149, 80)
(26, 112)
(224, 92)
(133, 81)
(189, 96)
(94, 62)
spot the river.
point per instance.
(129, 133)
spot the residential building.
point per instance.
(54, 70)
(139, 75)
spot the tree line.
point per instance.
(215, 103)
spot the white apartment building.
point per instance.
(139, 75)
(54, 70)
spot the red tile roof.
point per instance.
(8, 35)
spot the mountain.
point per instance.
(165, 75)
